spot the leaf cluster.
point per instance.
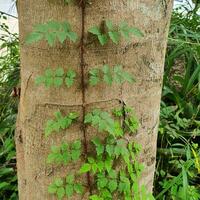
(68, 187)
(104, 122)
(51, 32)
(114, 33)
(60, 122)
(131, 122)
(56, 78)
(109, 75)
(65, 153)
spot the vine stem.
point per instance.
(82, 4)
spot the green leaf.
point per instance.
(58, 182)
(102, 182)
(60, 193)
(49, 82)
(52, 189)
(69, 190)
(59, 71)
(75, 154)
(95, 197)
(93, 80)
(41, 28)
(112, 185)
(85, 168)
(51, 158)
(78, 188)
(69, 80)
(107, 75)
(128, 77)
(94, 76)
(71, 73)
(99, 146)
(48, 73)
(100, 166)
(58, 81)
(39, 80)
(70, 179)
(125, 34)
(114, 36)
(110, 149)
(73, 115)
(76, 145)
(106, 194)
(103, 39)
(109, 24)
(95, 30)
(50, 37)
(72, 36)
(88, 118)
(34, 37)
(108, 164)
(53, 25)
(61, 36)
(136, 32)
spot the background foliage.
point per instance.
(178, 160)
(9, 78)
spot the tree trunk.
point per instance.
(144, 58)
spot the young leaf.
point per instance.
(58, 182)
(52, 189)
(95, 30)
(34, 37)
(70, 179)
(78, 188)
(109, 25)
(103, 39)
(114, 36)
(59, 72)
(58, 81)
(94, 76)
(112, 185)
(61, 36)
(107, 75)
(72, 36)
(85, 168)
(69, 80)
(60, 193)
(136, 32)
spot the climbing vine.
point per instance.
(114, 32)
(112, 160)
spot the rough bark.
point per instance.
(144, 58)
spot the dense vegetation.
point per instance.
(178, 160)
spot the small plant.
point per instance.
(114, 32)
(104, 122)
(52, 31)
(65, 153)
(116, 75)
(60, 122)
(67, 187)
(56, 78)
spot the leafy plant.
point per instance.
(60, 122)
(109, 76)
(9, 80)
(52, 31)
(68, 187)
(65, 153)
(56, 78)
(114, 32)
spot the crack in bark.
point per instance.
(82, 4)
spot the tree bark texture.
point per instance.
(143, 58)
